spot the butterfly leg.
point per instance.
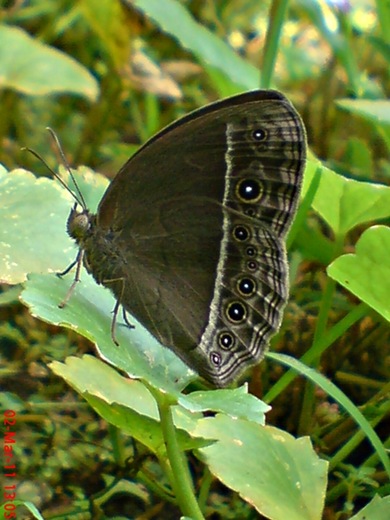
(125, 319)
(69, 268)
(78, 263)
(116, 309)
(113, 322)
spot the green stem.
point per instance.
(153, 485)
(341, 46)
(373, 459)
(138, 118)
(117, 445)
(306, 415)
(383, 12)
(180, 476)
(304, 207)
(99, 117)
(205, 488)
(152, 115)
(318, 347)
(347, 448)
(276, 18)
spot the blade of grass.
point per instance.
(276, 17)
(317, 348)
(332, 390)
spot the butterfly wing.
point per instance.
(197, 217)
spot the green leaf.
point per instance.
(359, 157)
(27, 66)
(236, 403)
(345, 203)
(124, 488)
(125, 403)
(89, 312)
(366, 273)
(34, 239)
(173, 18)
(377, 509)
(280, 476)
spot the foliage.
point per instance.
(106, 75)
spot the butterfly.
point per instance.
(190, 234)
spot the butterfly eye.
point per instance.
(259, 134)
(241, 233)
(250, 212)
(246, 286)
(252, 265)
(249, 190)
(216, 358)
(236, 312)
(226, 340)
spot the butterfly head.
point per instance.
(79, 223)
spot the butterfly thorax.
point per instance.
(101, 257)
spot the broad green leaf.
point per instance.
(377, 509)
(366, 273)
(345, 203)
(31, 67)
(359, 157)
(280, 476)
(173, 18)
(89, 312)
(33, 238)
(236, 403)
(314, 245)
(123, 402)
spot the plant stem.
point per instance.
(205, 488)
(181, 478)
(383, 11)
(276, 17)
(318, 347)
(304, 207)
(117, 445)
(347, 448)
(306, 415)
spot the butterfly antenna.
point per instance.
(53, 173)
(79, 198)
